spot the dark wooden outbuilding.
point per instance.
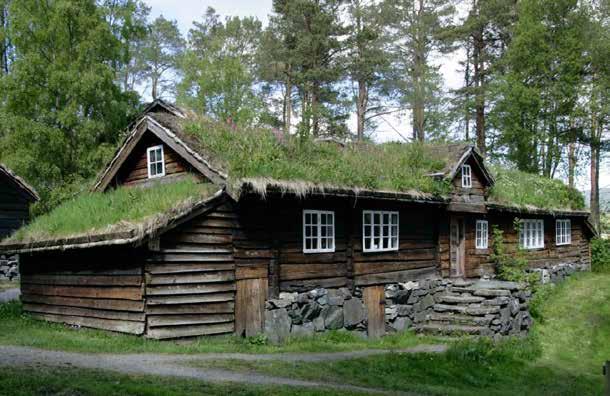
(16, 196)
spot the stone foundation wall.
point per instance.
(9, 267)
(558, 273)
(483, 307)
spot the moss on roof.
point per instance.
(253, 153)
(521, 189)
(123, 209)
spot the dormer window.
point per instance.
(156, 161)
(466, 176)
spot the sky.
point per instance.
(187, 11)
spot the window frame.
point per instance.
(318, 237)
(484, 241)
(466, 176)
(563, 240)
(390, 225)
(149, 163)
(528, 235)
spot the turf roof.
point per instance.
(270, 155)
(124, 210)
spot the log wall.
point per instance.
(135, 169)
(271, 236)
(478, 261)
(190, 279)
(85, 288)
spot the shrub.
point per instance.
(600, 255)
(510, 267)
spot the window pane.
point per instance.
(395, 218)
(367, 231)
(367, 218)
(376, 218)
(367, 243)
(323, 243)
(323, 231)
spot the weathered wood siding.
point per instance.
(271, 236)
(89, 288)
(190, 279)
(135, 169)
(474, 194)
(478, 261)
(14, 207)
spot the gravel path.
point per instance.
(169, 365)
(9, 295)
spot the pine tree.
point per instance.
(367, 61)
(159, 54)
(219, 68)
(419, 26)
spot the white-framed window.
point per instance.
(379, 231)
(482, 234)
(532, 234)
(466, 176)
(318, 231)
(563, 232)
(156, 161)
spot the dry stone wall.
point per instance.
(9, 268)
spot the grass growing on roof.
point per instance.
(251, 153)
(525, 189)
(113, 211)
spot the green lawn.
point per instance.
(563, 355)
(20, 330)
(74, 382)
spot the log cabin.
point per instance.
(16, 196)
(255, 217)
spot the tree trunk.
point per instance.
(361, 108)
(288, 104)
(595, 215)
(479, 70)
(571, 163)
(155, 82)
(315, 111)
(419, 67)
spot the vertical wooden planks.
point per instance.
(374, 300)
(250, 306)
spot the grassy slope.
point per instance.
(67, 381)
(564, 355)
(111, 211)
(522, 189)
(18, 329)
(390, 166)
(261, 153)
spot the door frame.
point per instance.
(457, 246)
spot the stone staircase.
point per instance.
(482, 307)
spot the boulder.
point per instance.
(333, 318)
(401, 324)
(277, 325)
(318, 324)
(353, 312)
(404, 310)
(306, 329)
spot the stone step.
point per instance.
(451, 318)
(461, 299)
(451, 329)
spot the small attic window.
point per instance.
(466, 176)
(156, 161)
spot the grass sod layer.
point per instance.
(251, 153)
(69, 381)
(116, 210)
(564, 354)
(19, 329)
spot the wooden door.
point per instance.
(374, 300)
(250, 306)
(458, 249)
